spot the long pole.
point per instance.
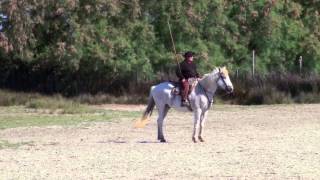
(174, 47)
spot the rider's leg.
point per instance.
(185, 91)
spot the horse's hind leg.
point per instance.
(162, 110)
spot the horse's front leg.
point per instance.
(196, 123)
(203, 118)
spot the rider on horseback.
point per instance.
(185, 70)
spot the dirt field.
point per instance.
(242, 142)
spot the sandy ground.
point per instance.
(253, 142)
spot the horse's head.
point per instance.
(218, 78)
(224, 81)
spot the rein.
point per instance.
(206, 92)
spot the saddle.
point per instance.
(176, 90)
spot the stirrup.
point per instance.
(185, 104)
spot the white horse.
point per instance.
(200, 98)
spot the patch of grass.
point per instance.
(308, 98)
(107, 99)
(12, 117)
(10, 98)
(31, 109)
(52, 104)
(6, 144)
(58, 105)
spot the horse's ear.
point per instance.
(225, 71)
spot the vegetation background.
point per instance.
(93, 49)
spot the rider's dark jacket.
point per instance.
(188, 70)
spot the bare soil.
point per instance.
(242, 142)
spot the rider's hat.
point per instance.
(188, 54)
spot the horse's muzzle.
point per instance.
(229, 89)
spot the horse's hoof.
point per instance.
(163, 140)
(194, 140)
(200, 139)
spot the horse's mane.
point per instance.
(208, 78)
(215, 71)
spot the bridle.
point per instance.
(222, 78)
(206, 91)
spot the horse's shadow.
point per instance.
(125, 142)
(150, 142)
(113, 141)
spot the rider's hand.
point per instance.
(183, 80)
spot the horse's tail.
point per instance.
(141, 123)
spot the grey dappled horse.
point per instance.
(200, 98)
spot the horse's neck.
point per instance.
(209, 82)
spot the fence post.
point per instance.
(237, 74)
(300, 65)
(253, 63)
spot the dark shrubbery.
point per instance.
(91, 88)
(54, 78)
(277, 89)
